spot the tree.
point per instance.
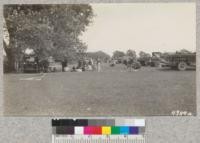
(144, 55)
(51, 30)
(144, 58)
(99, 54)
(131, 53)
(118, 54)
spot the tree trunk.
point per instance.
(10, 59)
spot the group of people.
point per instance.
(130, 63)
(83, 65)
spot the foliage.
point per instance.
(131, 53)
(51, 30)
(99, 55)
(118, 54)
(144, 55)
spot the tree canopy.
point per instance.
(144, 55)
(99, 55)
(50, 30)
(131, 53)
(118, 54)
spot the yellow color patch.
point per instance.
(106, 130)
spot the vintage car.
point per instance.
(55, 67)
(30, 63)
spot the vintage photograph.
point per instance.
(134, 59)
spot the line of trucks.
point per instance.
(178, 61)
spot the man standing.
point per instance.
(98, 65)
(64, 64)
(130, 64)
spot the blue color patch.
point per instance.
(124, 130)
(134, 130)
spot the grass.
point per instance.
(112, 92)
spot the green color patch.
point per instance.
(115, 130)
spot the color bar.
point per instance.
(124, 130)
(63, 122)
(115, 130)
(88, 130)
(130, 122)
(134, 130)
(106, 130)
(65, 130)
(81, 122)
(98, 126)
(101, 122)
(141, 130)
(70, 122)
(79, 130)
(97, 130)
(92, 130)
(139, 122)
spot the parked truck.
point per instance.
(180, 61)
(30, 63)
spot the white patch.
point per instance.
(34, 78)
(30, 78)
(88, 109)
(38, 79)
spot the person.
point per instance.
(73, 69)
(90, 64)
(84, 64)
(130, 64)
(98, 65)
(112, 63)
(64, 64)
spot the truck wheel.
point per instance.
(182, 66)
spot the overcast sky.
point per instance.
(150, 27)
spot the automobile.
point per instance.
(55, 67)
(30, 64)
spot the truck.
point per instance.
(180, 61)
(30, 63)
(155, 59)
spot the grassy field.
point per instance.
(112, 92)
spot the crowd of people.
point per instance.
(83, 65)
(90, 64)
(130, 63)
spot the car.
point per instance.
(55, 67)
(30, 64)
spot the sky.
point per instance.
(149, 27)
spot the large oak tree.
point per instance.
(50, 30)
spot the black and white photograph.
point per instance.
(116, 59)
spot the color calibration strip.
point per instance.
(98, 127)
(99, 122)
(98, 131)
